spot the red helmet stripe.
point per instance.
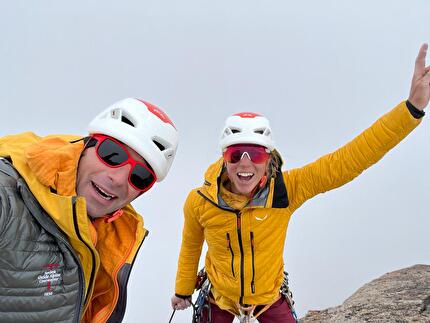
(158, 112)
(247, 114)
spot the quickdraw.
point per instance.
(286, 292)
(204, 285)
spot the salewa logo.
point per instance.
(261, 219)
(49, 276)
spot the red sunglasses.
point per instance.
(257, 154)
(114, 154)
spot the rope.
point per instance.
(171, 317)
(194, 306)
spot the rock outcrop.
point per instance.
(399, 296)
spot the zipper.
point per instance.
(80, 303)
(232, 253)
(118, 313)
(239, 236)
(253, 267)
(242, 260)
(93, 257)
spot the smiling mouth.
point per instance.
(245, 176)
(105, 195)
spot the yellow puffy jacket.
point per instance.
(106, 250)
(244, 261)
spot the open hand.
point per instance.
(419, 95)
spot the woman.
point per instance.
(244, 206)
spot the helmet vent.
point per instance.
(159, 145)
(259, 131)
(127, 121)
(234, 130)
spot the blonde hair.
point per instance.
(275, 164)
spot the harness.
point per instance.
(246, 312)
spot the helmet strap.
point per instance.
(259, 186)
(263, 181)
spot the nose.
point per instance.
(245, 160)
(119, 175)
(245, 154)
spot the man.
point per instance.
(68, 234)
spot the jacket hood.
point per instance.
(51, 161)
(54, 161)
(212, 179)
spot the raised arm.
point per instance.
(343, 165)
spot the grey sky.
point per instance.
(321, 71)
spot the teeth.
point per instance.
(245, 174)
(103, 194)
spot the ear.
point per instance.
(268, 166)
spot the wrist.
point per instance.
(183, 296)
(416, 113)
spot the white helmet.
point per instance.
(143, 127)
(246, 128)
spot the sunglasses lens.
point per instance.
(257, 154)
(141, 177)
(235, 156)
(112, 153)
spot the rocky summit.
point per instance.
(399, 296)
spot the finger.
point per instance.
(184, 305)
(420, 61)
(174, 302)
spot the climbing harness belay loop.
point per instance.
(246, 313)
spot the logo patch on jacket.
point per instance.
(261, 218)
(51, 276)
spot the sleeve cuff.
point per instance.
(183, 296)
(417, 114)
